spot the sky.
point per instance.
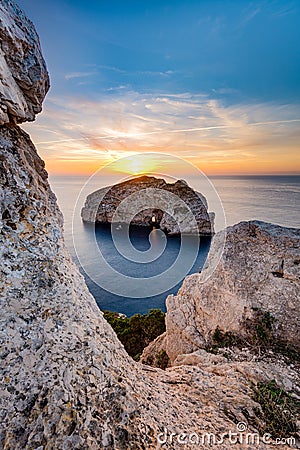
(213, 82)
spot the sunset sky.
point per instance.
(213, 82)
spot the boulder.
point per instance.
(174, 207)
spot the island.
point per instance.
(150, 201)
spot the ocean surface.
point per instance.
(113, 278)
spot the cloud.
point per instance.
(225, 91)
(70, 76)
(194, 126)
(111, 68)
(286, 9)
(153, 73)
(118, 88)
(250, 14)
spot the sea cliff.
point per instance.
(174, 207)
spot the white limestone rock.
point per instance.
(259, 270)
(65, 379)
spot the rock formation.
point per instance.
(259, 272)
(24, 80)
(66, 381)
(175, 207)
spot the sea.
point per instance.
(132, 271)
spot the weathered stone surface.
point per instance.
(259, 270)
(24, 79)
(175, 206)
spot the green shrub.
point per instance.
(260, 328)
(258, 334)
(138, 331)
(224, 339)
(279, 410)
(161, 360)
(220, 339)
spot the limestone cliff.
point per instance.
(175, 207)
(66, 381)
(259, 272)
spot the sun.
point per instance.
(135, 164)
(137, 167)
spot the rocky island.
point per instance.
(66, 381)
(182, 209)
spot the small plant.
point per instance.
(221, 339)
(258, 335)
(291, 354)
(279, 410)
(261, 328)
(224, 339)
(161, 360)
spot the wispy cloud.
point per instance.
(155, 73)
(118, 88)
(70, 76)
(193, 126)
(250, 14)
(225, 91)
(287, 9)
(111, 68)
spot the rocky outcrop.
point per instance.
(174, 207)
(24, 80)
(259, 273)
(66, 381)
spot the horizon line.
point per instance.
(270, 174)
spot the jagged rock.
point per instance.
(175, 207)
(24, 79)
(259, 271)
(200, 358)
(65, 380)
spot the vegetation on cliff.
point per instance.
(138, 331)
(258, 337)
(279, 410)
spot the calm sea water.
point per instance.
(269, 198)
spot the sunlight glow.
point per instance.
(135, 165)
(219, 139)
